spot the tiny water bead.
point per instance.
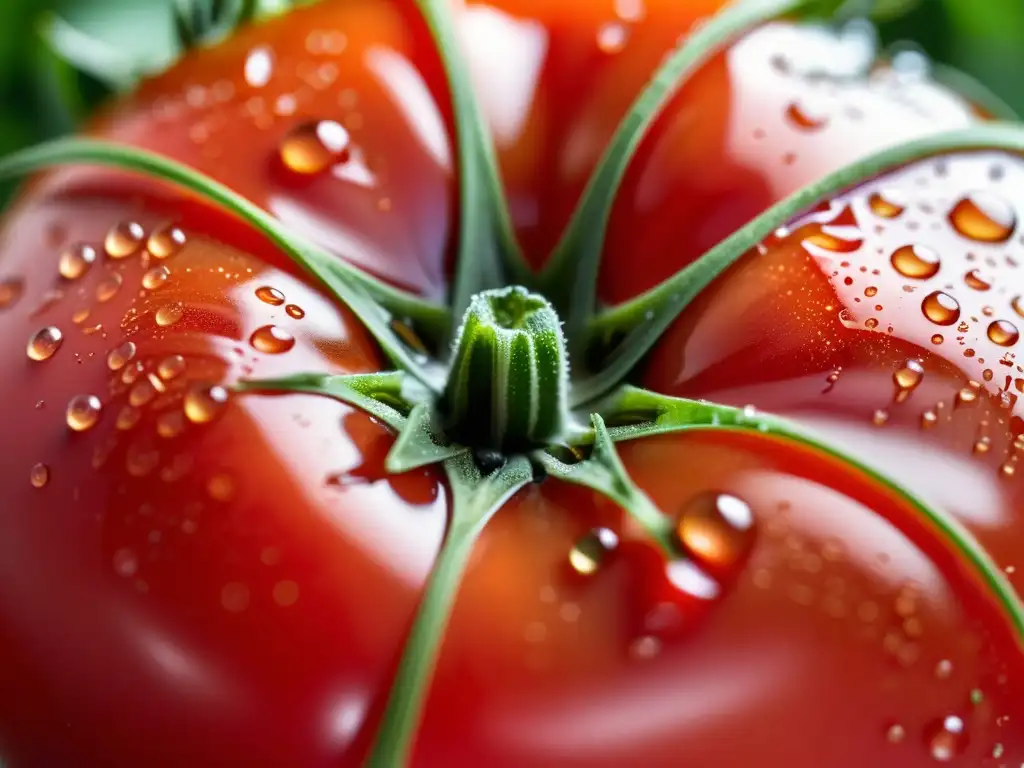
(886, 204)
(171, 367)
(155, 278)
(295, 311)
(592, 550)
(39, 475)
(1003, 333)
(203, 403)
(312, 148)
(717, 529)
(946, 738)
(75, 260)
(612, 37)
(108, 287)
(44, 343)
(83, 412)
(271, 340)
(124, 239)
(269, 295)
(984, 217)
(916, 261)
(941, 308)
(804, 118)
(977, 280)
(120, 356)
(168, 315)
(166, 242)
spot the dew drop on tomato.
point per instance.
(108, 287)
(886, 204)
(124, 239)
(984, 217)
(83, 412)
(155, 278)
(295, 311)
(168, 315)
(171, 367)
(937, 338)
(312, 148)
(271, 340)
(941, 308)
(612, 37)
(80, 315)
(915, 261)
(120, 356)
(977, 280)
(592, 550)
(269, 295)
(75, 260)
(44, 343)
(717, 530)
(1003, 333)
(946, 738)
(166, 242)
(203, 403)
(142, 392)
(39, 475)
(907, 378)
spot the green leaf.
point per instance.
(644, 414)
(382, 395)
(488, 256)
(603, 472)
(368, 298)
(570, 278)
(474, 501)
(416, 445)
(641, 322)
(88, 54)
(974, 91)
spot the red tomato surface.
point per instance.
(196, 582)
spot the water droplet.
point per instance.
(166, 242)
(985, 217)
(592, 550)
(39, 475)
(271, 340)
(170, 424)
(1018, 305)
(270, 295)
(981, 445)
(879, 417)
(966, 396)
(10, 291)
(916, 261)
(124, 239)
(716, 529)
(946, 738)
(75, 261)
(803, 118)
(83, 412)
(142, 392)
(294, 310)
(941, 308)
(79, 316)
(120, 356)
(155, 278)
(976, 280)
(171, 367)
(895, 734)
(312, 148)
(886, 204)
(168, 315)
(612, 37)
(937, 338)
(45, 343)
(907, 378)
(108, 287)
(203, 403)
(127, 418)
(1003, 333)
(929, 419)
(870, 291)
(944, 669)
(259, 66)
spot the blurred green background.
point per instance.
(38, 95)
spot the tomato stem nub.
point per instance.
(510, 373)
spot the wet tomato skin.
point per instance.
(233, 575)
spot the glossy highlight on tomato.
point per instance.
(200, 573)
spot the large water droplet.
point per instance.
(916, 261)
(166, 242)
(203, 403)
(83, 412)
(312, 148)
(120, 356)
(1003, 333)
(716, 529)
(941, 308)
(124, 239)
(592, 550)
(44, 343)
(75, 261)
(270, 295)
(155, 278)
(946, 739)
(168, 315)
(271, 340)
(886, 204)
(984, 216)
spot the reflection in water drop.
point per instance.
(75, 261)
(984, 216)
(270, 295)
(946, 739)
(1003, 333)
(592, 550)
(907, 378)
(168, 315)
(271, 340)
(941, 308)
(716, 529)
(312, 148)
(83, 412)
(915, 261)
(44, 343)
(166, 242)
(124, 239)
(203, 403)
(295, 311)
(120, 356)
(155, 278)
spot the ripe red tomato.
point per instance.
(204, 578)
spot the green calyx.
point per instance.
(507, 395)
(507, 386)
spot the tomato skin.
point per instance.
(246, 604)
